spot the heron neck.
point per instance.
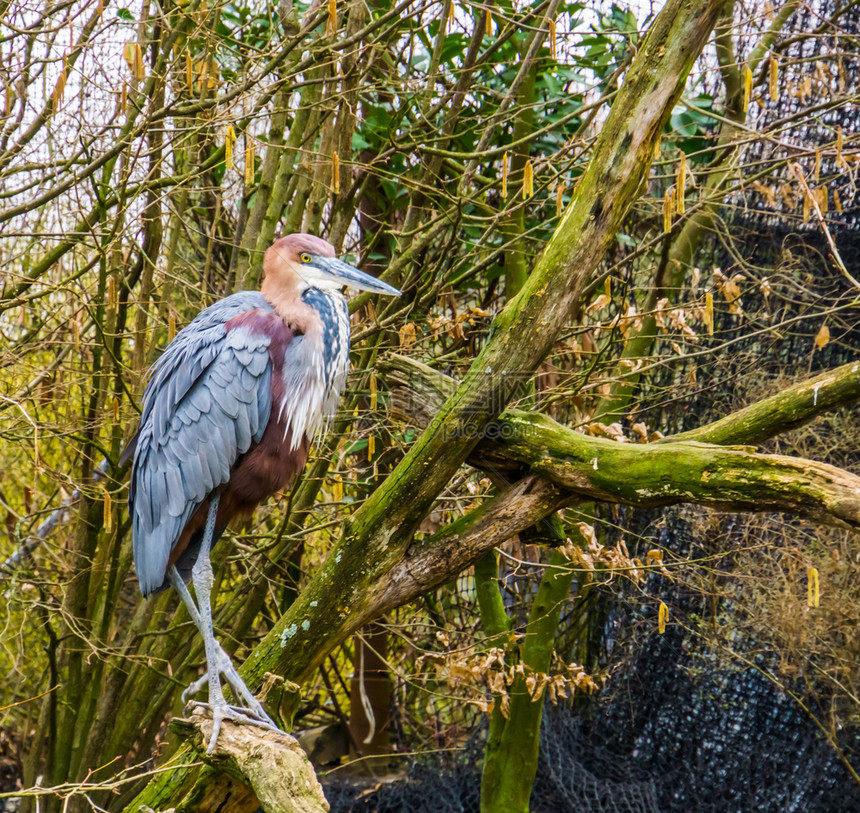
(288, 304)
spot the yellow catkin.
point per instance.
(60, 87)
(371, 447)
(139, 70)
(748, 79)
(171, 326)
(489, 23)
(212, 73)
(681, 183)
(823, 202)
(249, 161)
(373, 393)
(332, 17)
(559, 199)
(607, 287)
(813, 598)
(107, 513)
(528, 180)
(837, 201)
(662, 618)
(337, 488)
(773, 83)
(115, 410)
(335, 173)
(10, 98)
(111, 291)
(553, 40)
(229, 141)
(189, 71)
(128, 55)
(133, 55)
(709, 312)
(668, 209)
(805, 207)
(840, 161)
(505, 177)
(817, 165)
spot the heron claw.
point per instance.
(194, 687)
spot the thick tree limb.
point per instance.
(255, 768)
(418, 390)
(755, 482)
(644, 476)
(337, 600)
(651, 475)
(675, 469)
(432, 561)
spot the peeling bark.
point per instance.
(255, 767)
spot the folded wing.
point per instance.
(208, 401)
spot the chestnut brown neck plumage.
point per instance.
(282, 283)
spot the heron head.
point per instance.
(310, 262)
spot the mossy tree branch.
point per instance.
(523, 333)
(378, 534)
(831, 494)
(417, 390)
(650, 475)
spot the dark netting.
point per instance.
(447, 784)
(718, 741)
(564, 780)
(670, 735)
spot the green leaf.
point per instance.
(359, 142)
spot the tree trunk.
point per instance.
(370, 697)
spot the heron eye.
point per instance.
(306, 258)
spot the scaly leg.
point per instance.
(217, 660)
(224, 664)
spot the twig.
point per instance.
(837, 259)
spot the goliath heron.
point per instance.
(228, 416)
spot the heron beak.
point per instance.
(345, 274)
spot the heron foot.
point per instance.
(248, 708)
(221, 710)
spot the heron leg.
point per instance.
(217, 660)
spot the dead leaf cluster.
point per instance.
(499, 672)
(592, 556)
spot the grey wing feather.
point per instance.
(208, 400)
